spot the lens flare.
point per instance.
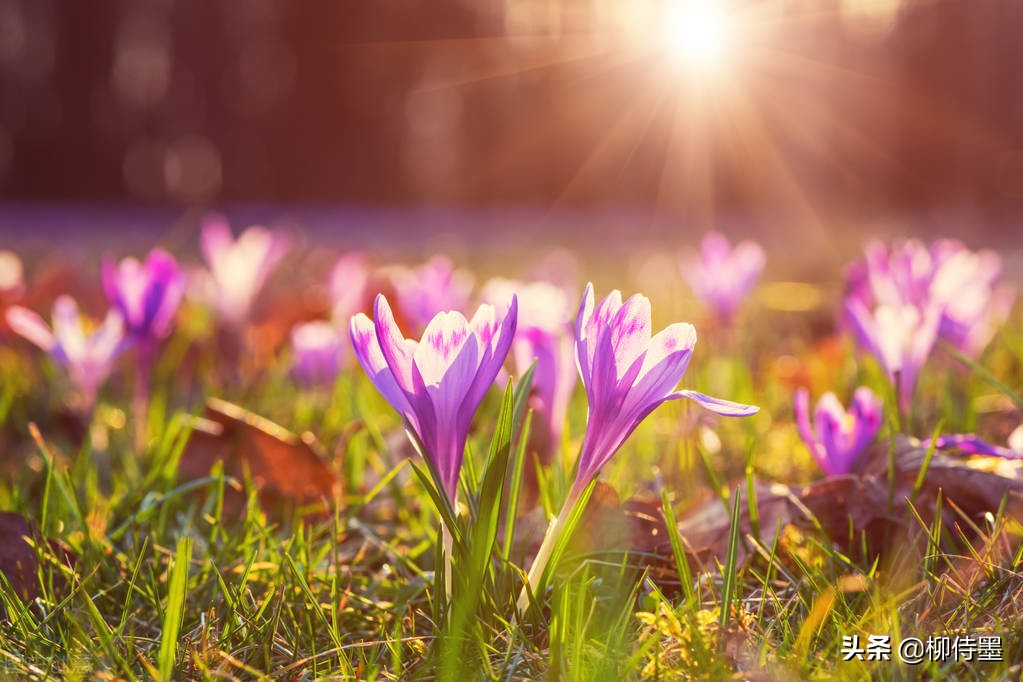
(695, 33)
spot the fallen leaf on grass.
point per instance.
(705, 527)
(284, 466)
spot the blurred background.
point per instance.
(577, 114)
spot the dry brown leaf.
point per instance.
(850, 508)
(705, 526)
(284, 466)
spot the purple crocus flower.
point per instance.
(962, 284)
(87, 357)
(146, 294)
(543, 336)
(347, 285)
(316, 353)
(722, 277)
(430, 288)
(974, 303)
(901, 337)
(437, 383)
(628, 373)
(837, 439)
(238, 268)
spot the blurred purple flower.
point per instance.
(901, 337)
(238, 268)
(837, 439)
(429, 289)
(627, 373)
(348, 286)
(962, 284)
(87, 357)
(971, 444)
(543, 336)
(316, 353)
(438, 383)
(966, 285)
(147, 295)
(722, 277)
(898, 275)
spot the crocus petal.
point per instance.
(630, 332)
(663, 365)
(801, 406)
(583, 355)
(215, 239)
(67, 328)
(167, 290)
(593, 333)
(971, 444)
(726, 408)
(446, 361)
(829, 418)
(494, 353)
(367, 351)
(107, 341)
(31, 326)
(396, 351)
(867, 412)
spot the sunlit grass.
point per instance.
(174, 580)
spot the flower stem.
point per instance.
(448, 542)
(543, 555)
(140, 401)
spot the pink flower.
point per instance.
(88, 358)
(238, 268)
(347, 286)
(722, 277)
(627, 373)
(838, 438)
(436, 384)
(974, 303)
(316, 353)
(430, 288)
(543, 335)
(963, 285)
(147, 295)
(901, 337)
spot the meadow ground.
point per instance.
(219, 514)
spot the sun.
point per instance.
(696, 34)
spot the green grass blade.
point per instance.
(175, 610)
(730, 573)
(685, 574)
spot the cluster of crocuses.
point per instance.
(902, 299)
(438, 382)
(144, 298)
